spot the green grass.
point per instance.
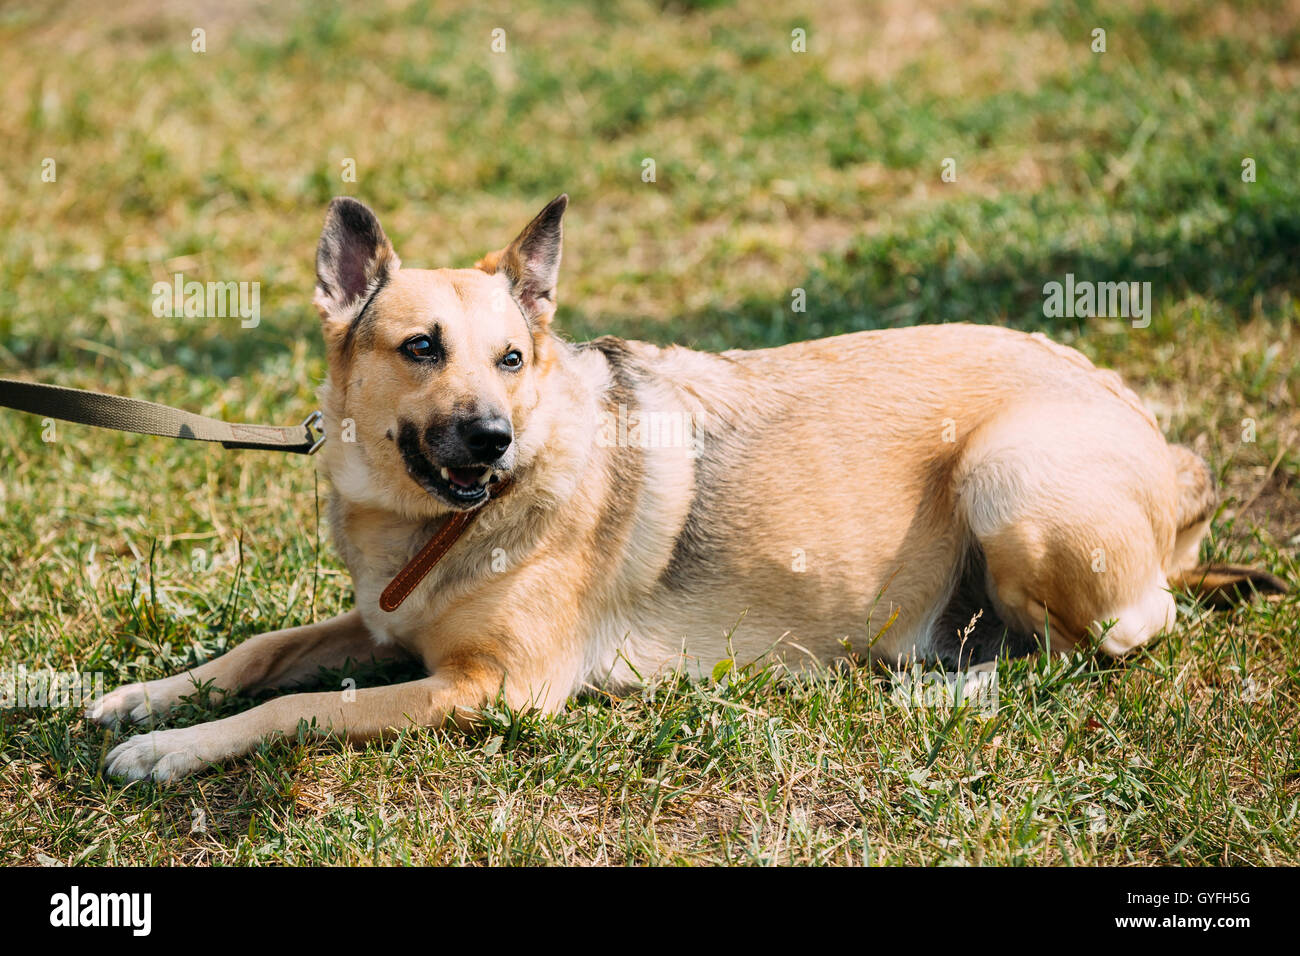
(774, 171)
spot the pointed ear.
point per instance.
(532, 262)
(353, 259)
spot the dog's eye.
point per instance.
(420, 347)
(513, 359)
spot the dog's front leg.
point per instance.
(273, 659)
(453, 692)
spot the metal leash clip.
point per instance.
(313, 425)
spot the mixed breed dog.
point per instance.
(940, 493)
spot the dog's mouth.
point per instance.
(467, 484)
(464, 486)
(461, 486)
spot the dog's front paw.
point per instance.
(162, 755)
(133, 703)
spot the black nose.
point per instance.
(486, 438)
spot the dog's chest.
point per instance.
(375, 552)
(399, 627)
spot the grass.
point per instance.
(774, 171)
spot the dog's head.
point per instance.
(433, 373)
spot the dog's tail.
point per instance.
(1223, 585)
(1217, 585)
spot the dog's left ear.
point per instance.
(532, 262)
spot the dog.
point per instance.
(947, 493)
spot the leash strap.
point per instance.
(149, 418)
(400, 588)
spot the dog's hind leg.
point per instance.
(274, 659)
(1073, 506)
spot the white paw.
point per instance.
(133, 703)
(161, 755)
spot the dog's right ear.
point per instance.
(353, 260)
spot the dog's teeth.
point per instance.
(446, 475)
(485, 477)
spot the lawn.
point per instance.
(130, 157)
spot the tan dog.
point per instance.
(670, 508)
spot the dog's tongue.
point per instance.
(464, 477)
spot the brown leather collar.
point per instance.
(400, 588)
